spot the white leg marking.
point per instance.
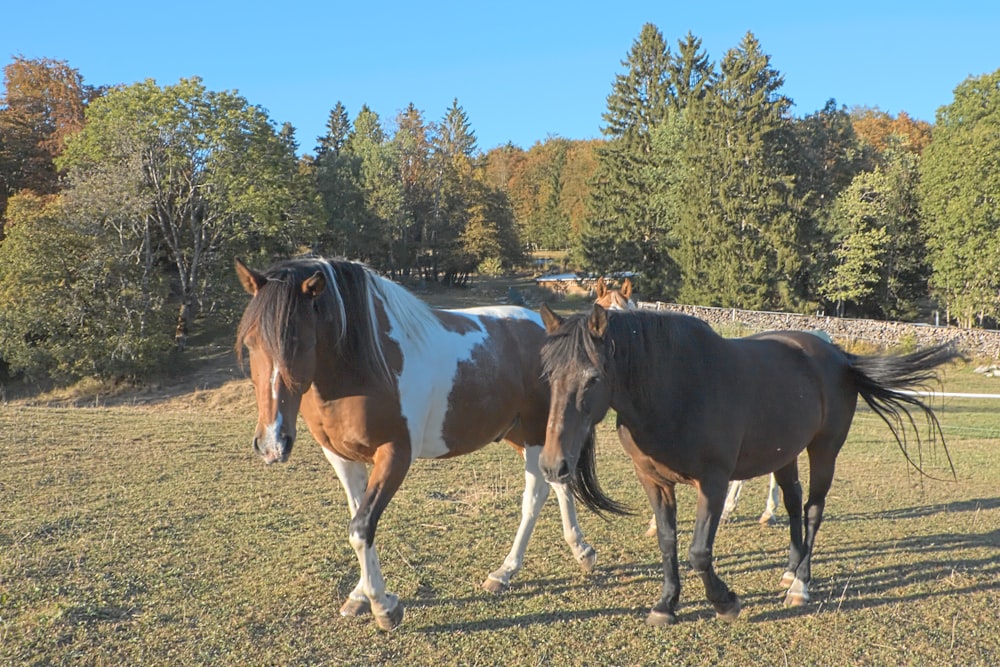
(732, 498)
(798, 593)
(536, 490)
(773, 495)
(582, 552)
(353, 476)
(372, 583)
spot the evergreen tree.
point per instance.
(338, 127)
(381, 223)
(738, 242)
(960, 201)
(338, 180)
(624, 233)
(453, 147)
(413, 146)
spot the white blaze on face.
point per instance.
(429, 371)
(273, 430)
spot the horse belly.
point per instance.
(469, 394)
(777, 437)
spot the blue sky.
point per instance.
(521, 70)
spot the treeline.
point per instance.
(121, 208)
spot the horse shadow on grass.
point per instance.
(878, 585)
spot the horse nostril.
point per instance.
(256, 444)
(563, 472)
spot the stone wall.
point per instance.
(976, 343)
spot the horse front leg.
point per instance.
(711, 496)
(536, 490)
(353, 476)
(390, 466)
(664, 504)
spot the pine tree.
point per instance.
(338, 127)
(737, 231)
(624, 233)
(413, 146)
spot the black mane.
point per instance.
(345, 306)
(637, 346)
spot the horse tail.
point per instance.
(884, 381)
(585, 486)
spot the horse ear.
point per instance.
(314, 285)
(598, 322)
(601, 287)
(250, 279)
(549, 318)
(627, 289)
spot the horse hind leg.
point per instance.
(787, 478)
(773, 494)
(821, 469)
(536, 491)
(732, 499)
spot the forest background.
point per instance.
(122, 207)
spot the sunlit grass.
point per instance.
(154, 536)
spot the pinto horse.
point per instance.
(382, 379)
(695, 408)
(610, 298)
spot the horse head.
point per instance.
(614, 299)
(573, 359)
(279, 331)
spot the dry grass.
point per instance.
(147, 533)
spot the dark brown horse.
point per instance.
(382, 380)
(609, 298)
(695, 408)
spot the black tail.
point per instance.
(881, 380)
(585, 486)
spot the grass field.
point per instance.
(151, 535)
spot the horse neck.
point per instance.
(412, 322)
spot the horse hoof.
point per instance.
(651, 530)
(796, 599)
(729, 612)
(494, 585)
(658, 619)
(588, 560)
(390, 620)
(356, 607)
(767, 520)
(786, 580)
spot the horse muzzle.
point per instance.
(274, 449)
(558, 471)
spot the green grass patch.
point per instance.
(136, 535)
